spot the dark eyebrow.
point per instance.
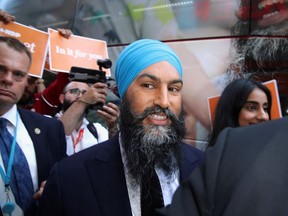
(157, 79)
(15, 71)
(20, 71)
(255, 102)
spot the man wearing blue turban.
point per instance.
(140, 55)
(139, 169)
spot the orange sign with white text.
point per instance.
(275, 106)
(75, 51)
(34, 39)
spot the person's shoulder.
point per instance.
(88, 158)
(30, 113)
(264, 129)
(34, 116)
(248, 140)
(101, 152)
(274, 123)
(105, 148)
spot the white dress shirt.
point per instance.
(24, 141)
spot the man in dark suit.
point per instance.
(245, 173)
(112, 178)
(39, 140)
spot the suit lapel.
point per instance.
(188, 162)
(108, 180)
(37, 136)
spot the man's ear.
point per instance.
(61, 98)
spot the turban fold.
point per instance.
(140, 55)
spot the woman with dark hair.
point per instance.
(243, 102)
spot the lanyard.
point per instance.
(80, 136)
(6, 178)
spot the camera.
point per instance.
(92, 76)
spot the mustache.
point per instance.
(154, 110)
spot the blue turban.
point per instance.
(140, 55)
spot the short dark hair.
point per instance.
(232, 99)
(16, 45)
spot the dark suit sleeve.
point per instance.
(61, 144)
(50, 201)
(245, 173)
(52, 149)
(193, 197)
(48, 137)
(252, 171)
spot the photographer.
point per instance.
(76, 100)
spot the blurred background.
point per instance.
(200, 31)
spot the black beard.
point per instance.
(150, 146)
(66, 104)
(267, 54)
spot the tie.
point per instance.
(151, 195)
(20, 181)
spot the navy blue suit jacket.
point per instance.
(92, 182)
(48, 139)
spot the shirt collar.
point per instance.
(10, 115)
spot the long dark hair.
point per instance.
(232, 99)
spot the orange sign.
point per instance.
(75, 51)
(34, 39)
(212, 104)
(275, 106)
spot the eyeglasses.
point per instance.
(75, 91)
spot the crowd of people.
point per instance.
(63, 164)
(27, 113)
(76, 100)
(117, 175)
